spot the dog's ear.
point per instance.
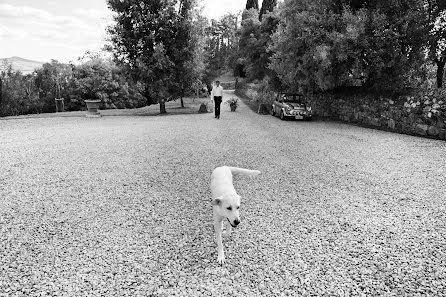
(216, 201)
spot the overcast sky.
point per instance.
(64, 29)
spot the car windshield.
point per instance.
(292, 98)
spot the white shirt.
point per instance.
(217, 91)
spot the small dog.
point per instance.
(226, 203)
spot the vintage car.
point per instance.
(292, 106)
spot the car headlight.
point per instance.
(308, 108)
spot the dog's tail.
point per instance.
(243, 171)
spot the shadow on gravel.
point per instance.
(253, 105)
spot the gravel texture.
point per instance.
(120, 206)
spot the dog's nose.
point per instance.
(236, 222)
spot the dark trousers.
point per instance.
(217, 101)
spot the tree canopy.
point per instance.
(252, 4)
(321, 45)
(267, 6)
(153, 38)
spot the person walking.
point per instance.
(217, 95)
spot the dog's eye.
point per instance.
(238, 207)
(229, 208)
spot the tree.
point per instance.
(267, 6)
(321, 45)
(252, 4)
(437, 37)
(200, 56)
(189, 56)
(250, 48)
(51, 79)
(255, 37)
(222, 45)
(183, 50)
(97, 77)
(19, 93)
(144, 38)
(300, 45)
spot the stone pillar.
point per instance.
(60, 106)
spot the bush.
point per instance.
(260, 92)
(93, 78)
(19, 94)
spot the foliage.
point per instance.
(152, 39)
(100, 78)
(183, 52)
(252, 4)
(53, 77)
(255, 37)
(93, 77)
(52, 81)
(437, 36)
(265, 94)
(260, 92)
(222, 45)
(232, 102)
(20, 94)
(299, 53)
(267, 6)
(319, 46)
(250, 45)
(428, 106)
(200, 58)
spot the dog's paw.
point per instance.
(221, 259)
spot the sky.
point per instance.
(64, 30)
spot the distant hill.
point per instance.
(24, 65)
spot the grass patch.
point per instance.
(191, 106)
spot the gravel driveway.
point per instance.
(120, 206)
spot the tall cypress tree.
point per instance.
(252, 4)
(267, 5)
(183, 49)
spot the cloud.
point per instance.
(23, 15)
(7, 33)
(216, 9)
(39, 29)
(96, 14)
(10, 11)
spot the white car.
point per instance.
(291, 106)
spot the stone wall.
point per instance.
(422, 114)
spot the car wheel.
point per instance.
(273, 113)
(282, 117)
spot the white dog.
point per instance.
(226, 203)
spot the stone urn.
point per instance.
(233, 106)
(93, 107)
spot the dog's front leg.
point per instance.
(218, 240)
(228, 229)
